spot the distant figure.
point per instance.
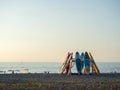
(78, 61)
(12, 71)
(87, 63)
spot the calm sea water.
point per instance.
(53, 67)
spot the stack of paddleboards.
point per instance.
(83, 63)
(66, 65)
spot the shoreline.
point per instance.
(42, 81)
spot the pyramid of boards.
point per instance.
(85, 64)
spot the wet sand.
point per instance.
(40, 81)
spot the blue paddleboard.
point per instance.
(82, 59)
(87, 63)
(78, 63)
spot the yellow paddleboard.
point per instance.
(93, 64)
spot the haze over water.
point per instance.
(45, 30)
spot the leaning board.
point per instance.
(97, 71)
(63, 67)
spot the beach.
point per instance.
(54, 81)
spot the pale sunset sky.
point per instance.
(45, 30)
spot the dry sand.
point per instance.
(42, 81)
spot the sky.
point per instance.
(45, 30)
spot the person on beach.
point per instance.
(87, 63)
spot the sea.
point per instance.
(52, 67)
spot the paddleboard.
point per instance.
(68, 67)
(82, 59)
(87, 63)
(78, 63)
(64, 63)
(67, 63)
(93, 64)
(65, 67)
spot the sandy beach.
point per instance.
(40, 81)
